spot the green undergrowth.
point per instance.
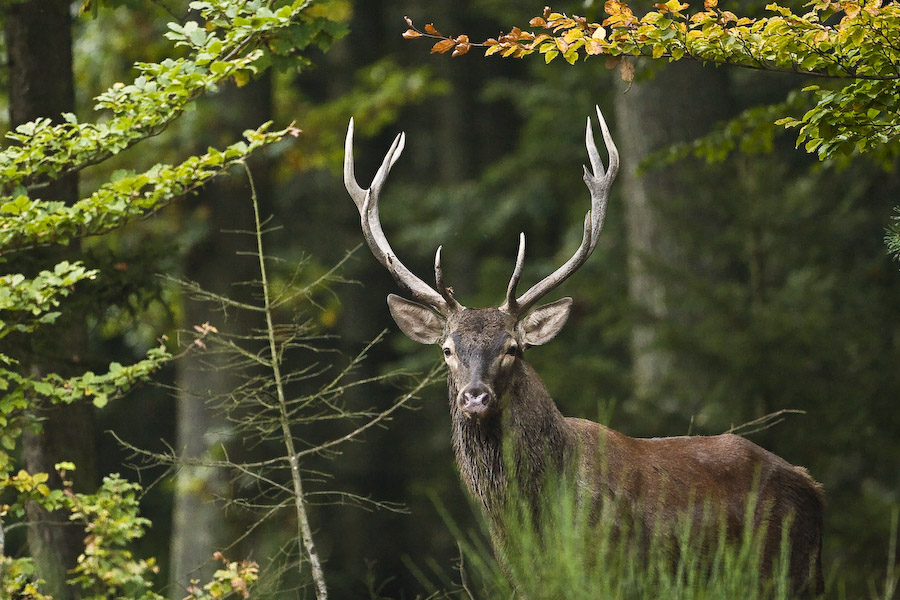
(574, 554)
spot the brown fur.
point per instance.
(655, 481)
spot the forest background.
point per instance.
(721, 292)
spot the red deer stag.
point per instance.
(507, 429)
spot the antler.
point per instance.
(599, 183)
(366, 201)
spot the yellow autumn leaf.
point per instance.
(572, 35)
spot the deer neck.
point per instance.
(524, 444)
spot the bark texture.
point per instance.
(39, 46)
(679, 103)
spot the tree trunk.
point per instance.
(678, 104)
(39, 46)
(215, 262)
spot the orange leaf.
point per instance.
(430, 29)
(536, 42)
(460, 49)
(463, 39)
(442, 46)
(408, 21)
(537, 22)
(850, 9)
(411, 33)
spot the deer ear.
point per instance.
(417, 321)
(543, 323)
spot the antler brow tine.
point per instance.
(445, 292)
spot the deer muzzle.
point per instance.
(475, 400)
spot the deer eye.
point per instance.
(448, 352)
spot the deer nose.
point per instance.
(475, 402)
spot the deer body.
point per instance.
(522, 438)
(508, 433)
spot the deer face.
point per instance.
(480, 345)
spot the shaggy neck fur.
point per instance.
(526, 441)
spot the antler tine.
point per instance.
(510, 304)
(443, 290)
(353, 188)
(599, 181)
(366, 201)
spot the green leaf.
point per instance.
(42, 387)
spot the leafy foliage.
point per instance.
(107, 568)
(27, 223)
(30, 300)
(234, 44)
(110, 516)
(856, 40)
(236, 41)
(864, 46)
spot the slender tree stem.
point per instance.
(303, 528)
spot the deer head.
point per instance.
(480, 346)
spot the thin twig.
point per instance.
(428, 380)
(303, 527)
(463, 580)
(764, 422)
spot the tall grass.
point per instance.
(574, 554)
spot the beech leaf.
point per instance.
(443, 46)
(461, 49)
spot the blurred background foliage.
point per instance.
(772, 288)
